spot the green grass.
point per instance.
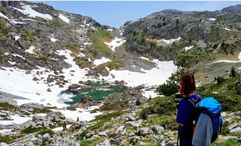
(38, 130)
(111, 65)
(98, 39)
(8, 107)
(8, 139)
(160, 106)
(226, 94)
(100, 120)
(86, 143)
(228, 143)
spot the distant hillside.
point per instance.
(188, 37)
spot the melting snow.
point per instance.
(227, 29)
(30, 50)
(17, 55)
(212, 19)
(101, 61)
(12, 63)
(144, 58)
(115, 43)
(149, 93)
(110, 30)
(82, 114)
(27, 10)
(17, 37)
(152, 77)
(53, 40)
(4, 16)
(188, 48)
(64, 18)
(6, 131)
(81, 55)
(12, 21)
(170, 41)
(12, 82)
(16, 120)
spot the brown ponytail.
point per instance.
(187, 84)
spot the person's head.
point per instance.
(187, 84)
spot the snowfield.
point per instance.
(115, 43)
(30, 50)
(101, 61)
(152, 77)
(16, 120)
(27, 10)
(212, 19)
(188, 48)
(3, 16)
(64, 18)
(169, 42)
(53, 40)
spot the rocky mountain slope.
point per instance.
(68, 80)
(189, 38)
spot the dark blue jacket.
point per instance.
(186, 114)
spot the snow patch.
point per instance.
(30, 50)
(53, 40)
(81, 55)
(64, 18)
(17, 55)
(12, 63)
(115, 43)
(212, 19)
(152, 77)
(168, 42)
(16, 120)
(27, 10)
(81, 114)
(110, 30)
(227, 29)
(6, 132)
(14, 22)
(4, 16)
(17, 37)
(144, 58)
(101, 61)
(188, 48)
(149, 93)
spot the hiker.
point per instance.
(186, 112)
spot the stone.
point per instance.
(134, 140)
(3, 144)
(235, 125)
(105, 143)
(134, 124)
(235, 130)
(104, 133)
(158, 129)
(90, 134)
(46, 138)
(238, 113)
(144, 131)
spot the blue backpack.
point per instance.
(212, 108)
